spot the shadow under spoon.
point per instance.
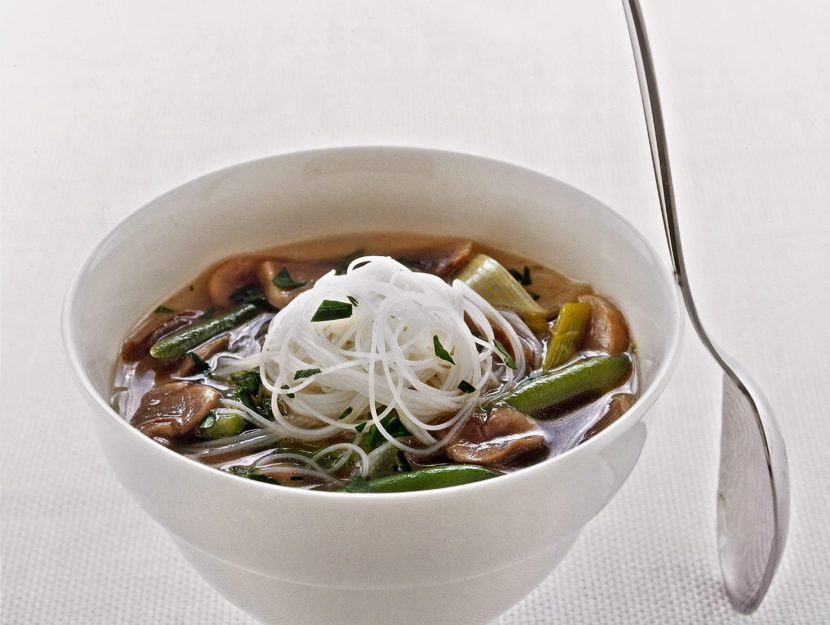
(753, 485)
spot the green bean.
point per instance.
(221, 425)
(422, 479)
(182, 341)
(567, 383)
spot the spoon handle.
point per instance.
(753, 486)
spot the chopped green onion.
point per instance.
(329, 310)
(164, 309)
(567, 333)
(442, 353)
(345, 413)
(284, 281)
(494, 283)
(285, 387)
(352, 300)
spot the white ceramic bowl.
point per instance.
(459, 555)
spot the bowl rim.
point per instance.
(645, 399)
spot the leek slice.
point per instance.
(566, 333)
(487, 277)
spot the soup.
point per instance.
(399, 363)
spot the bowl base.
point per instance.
(278, 602)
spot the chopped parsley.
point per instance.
(284, 281)
(164, 309)
(466, 387)
(508, 359)
(329, 310)
(442, 353)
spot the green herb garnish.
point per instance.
(209, 421)
(345, 413)
(285, 387)
(403, 465)
(466, 387)
(209, 312)
(393, 426)
(522, 278)
(330, 310)
(252, 473)
(200, 365)
(348, 259)
(442, 353)
(357, 484)
(360, 426)
(249, 392)
(352, 300)
(533, 296)
(305, 373)
(248, 294)
(164, 309)
(284, 281)
(508, 359)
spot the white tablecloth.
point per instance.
(107, 104)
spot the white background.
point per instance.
(106, 105)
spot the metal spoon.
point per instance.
(753, 486)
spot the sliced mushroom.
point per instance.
(555, 289)
(174, 409)
(442, 260)
(203, 352)
(138, 345)
(230, 276)
(617, 407)
(496, 439)
(607, 331)
(299, 272)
